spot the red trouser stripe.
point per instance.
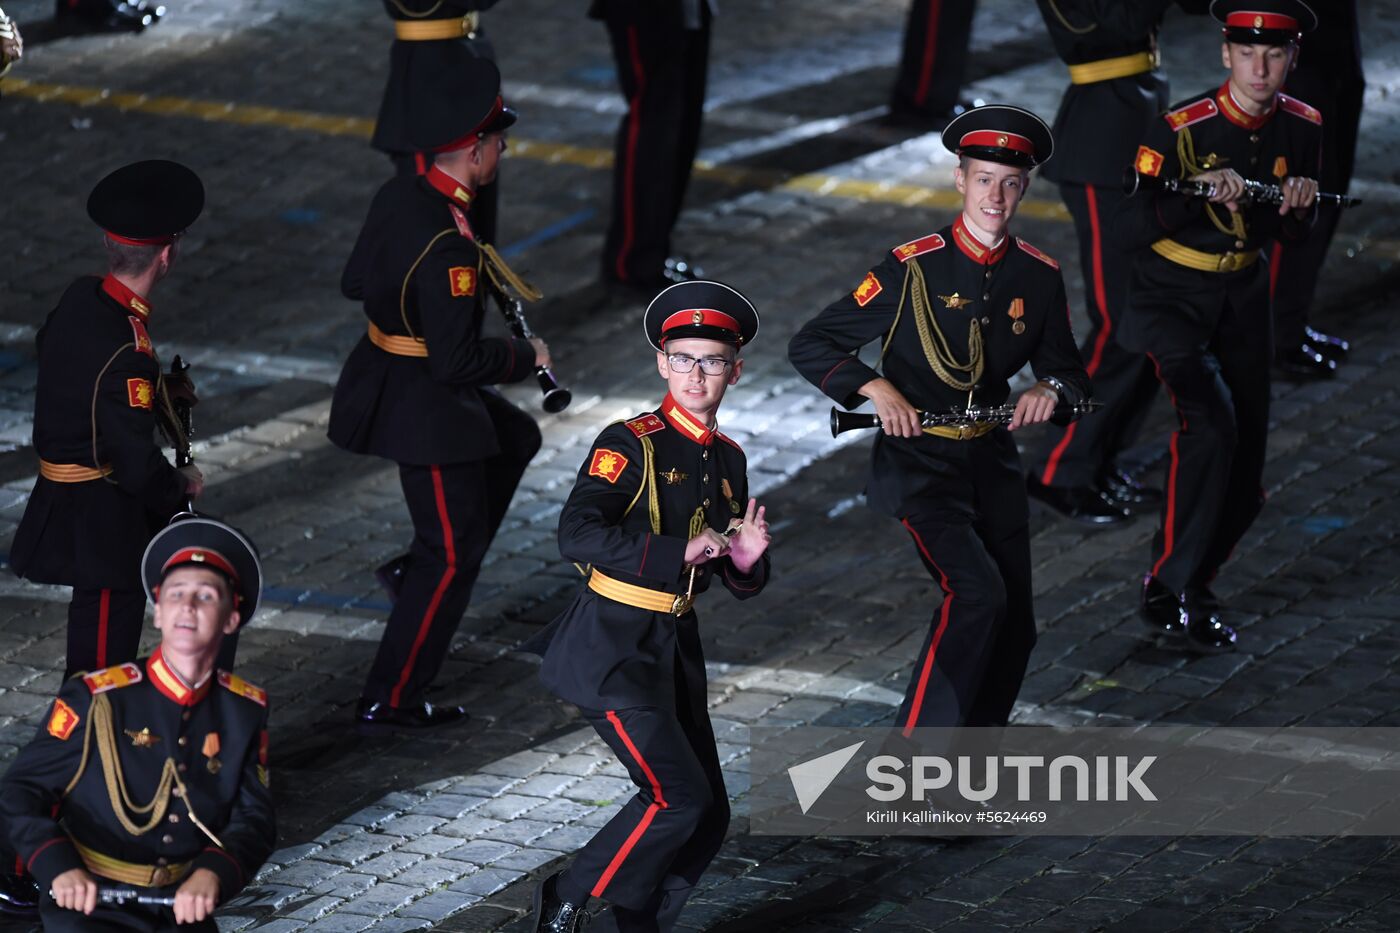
(651, 811)
(629, 168)
(1106, 327)
(918, 702)
(1169, 521)
(447, 575)
(104, 616)
(930, 52)
(1275, 260)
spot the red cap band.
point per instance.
(201, 555)
(1251, 19)
(706, 316)
(998, 139)
(140, 241)
(469, 138)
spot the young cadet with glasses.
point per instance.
(1198, 303)
(659, 511)
(959, 313)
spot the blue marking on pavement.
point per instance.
(300, 216)
(545, 234)
(596, 75)
(10, 360)
(1322, 524)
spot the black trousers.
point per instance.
(1077, 454)
(648, 857)
(456, 509)
(1220, 391)
(661, 67)
(970, 667)
(483, 210)
(936, 40)
(112, 919)
(104, 628)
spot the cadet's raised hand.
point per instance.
(1035, 405)
(897, 416)
(706, 546)
(752, 540)
(196, 899)
(75, 890)
(541, 352)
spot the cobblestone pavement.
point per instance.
(802, 188)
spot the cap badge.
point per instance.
(197, 557)
(1258, 22)
(697, 317)
(1002, 140)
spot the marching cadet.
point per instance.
(153, 774)
(430, 36)
(1115, 91)
(417, 388)
(104, 486)
(937, 37)
(660, 509)
(958, 313)
(662, 52)
(1199, 299)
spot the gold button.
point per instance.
(986, 320)
(1254, 137)
(174, 817)
(1239, 244)
(705, 478)
(167, 839)
(185, 715)
(707, 503)
(183, 767)
(986, 297)
(162, 861)
(182, 741)
(175, 791)
(705, 455)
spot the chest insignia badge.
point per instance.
(954, 301)
(674, 477)
(143, 739)
(1017, 311)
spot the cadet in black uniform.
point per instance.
(104, 486)
(958, 313)
(1328, 77)
(417, 387)
(1115, 91)
(185, 742)
(937, 37)
(1199, 300)
(109, 15)
(649, 513)
(662, 51)
(430, 36)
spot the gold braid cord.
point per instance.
(100, 719)
(414, 13)
(1077, 30)
(503, 275)
(649, 487)
(1186, 152)
(936, 348)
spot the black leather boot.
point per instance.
(373, 717)
(553, 915)
(1161, 609)
(1078, 503)
(109, 15)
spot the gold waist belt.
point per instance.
(399, 346)
(72, 472)
(639, 596)
(429, 30)
(1124, 66)
(1203, 261)
(145, 876)
(962, 432)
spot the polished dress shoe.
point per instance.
(372, 716)
(1205, 633)
(19, 896)
(390, 575)
(1161, 609)
(681, 270)
(1124, 489)
(1304, 363)
(554, 915)
(1080, 503)
(1334, 348)
(110, 15)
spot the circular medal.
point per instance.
(1018, 327)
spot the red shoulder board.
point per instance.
(1183, 117)
(1299, 109)
(915, 247)
(235, 684)
(123, 675)
(140, 337)
(1037, 253)
(730, 441)
(646, 424)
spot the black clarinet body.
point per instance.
(556, 397)
(1256, 192)
(843, 421)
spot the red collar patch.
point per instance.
(1236, 115)
(450, 187)
(684, 422)
(973, 248)
(171, 684)
(130, 302)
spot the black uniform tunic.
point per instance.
(216, 735)
(1097, 131)
(95, 405)
(638, 675)
(460, 446)
(963, 501)
(1208, 332)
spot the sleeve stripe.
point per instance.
(30, 864)
(832, 370)
(236, 867)
(645, 550)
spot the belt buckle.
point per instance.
(1227, 262)
(160, 877)
(964, 431)
(681, 604)
(469, 24)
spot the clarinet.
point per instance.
(123, 896)
(843, 421)
(1255, 192)
(556, 397)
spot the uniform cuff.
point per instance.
(52, 859)
(842, 383)
(522, 359)
(231, 879)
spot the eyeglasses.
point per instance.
(710, 365)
